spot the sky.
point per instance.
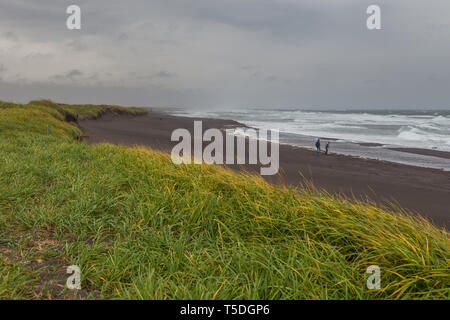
(228, 53)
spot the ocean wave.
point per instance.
(441, 120)
(423, 138)
(420, 129)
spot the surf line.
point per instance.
(259, 140)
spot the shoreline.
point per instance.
(393, 153)
(425, 152)
(417, 189)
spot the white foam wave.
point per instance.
(418, 130)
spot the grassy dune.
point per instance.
(141, 227)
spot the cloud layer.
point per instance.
(223, 54)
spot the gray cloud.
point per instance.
(164, 74)
(279, 53)
(70, 75)
(74, 73)
(10, 36)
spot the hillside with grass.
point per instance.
(141, 227)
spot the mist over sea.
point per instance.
(369, 134)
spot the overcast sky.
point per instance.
(228, 53)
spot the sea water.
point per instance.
(349, 132)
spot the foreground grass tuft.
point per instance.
(141, 227)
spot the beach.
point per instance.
(147, 228)
(419, 190)
(268, 153)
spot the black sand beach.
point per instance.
(434, 153)
(420, 190)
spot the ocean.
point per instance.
(367, 134)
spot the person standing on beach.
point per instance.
(318, 146)
(327, 147)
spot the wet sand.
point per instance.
(434, 153)
(420, 190)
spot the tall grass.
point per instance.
(80, 112)
(141, 227)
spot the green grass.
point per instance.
(141, 227)
(88, 111)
